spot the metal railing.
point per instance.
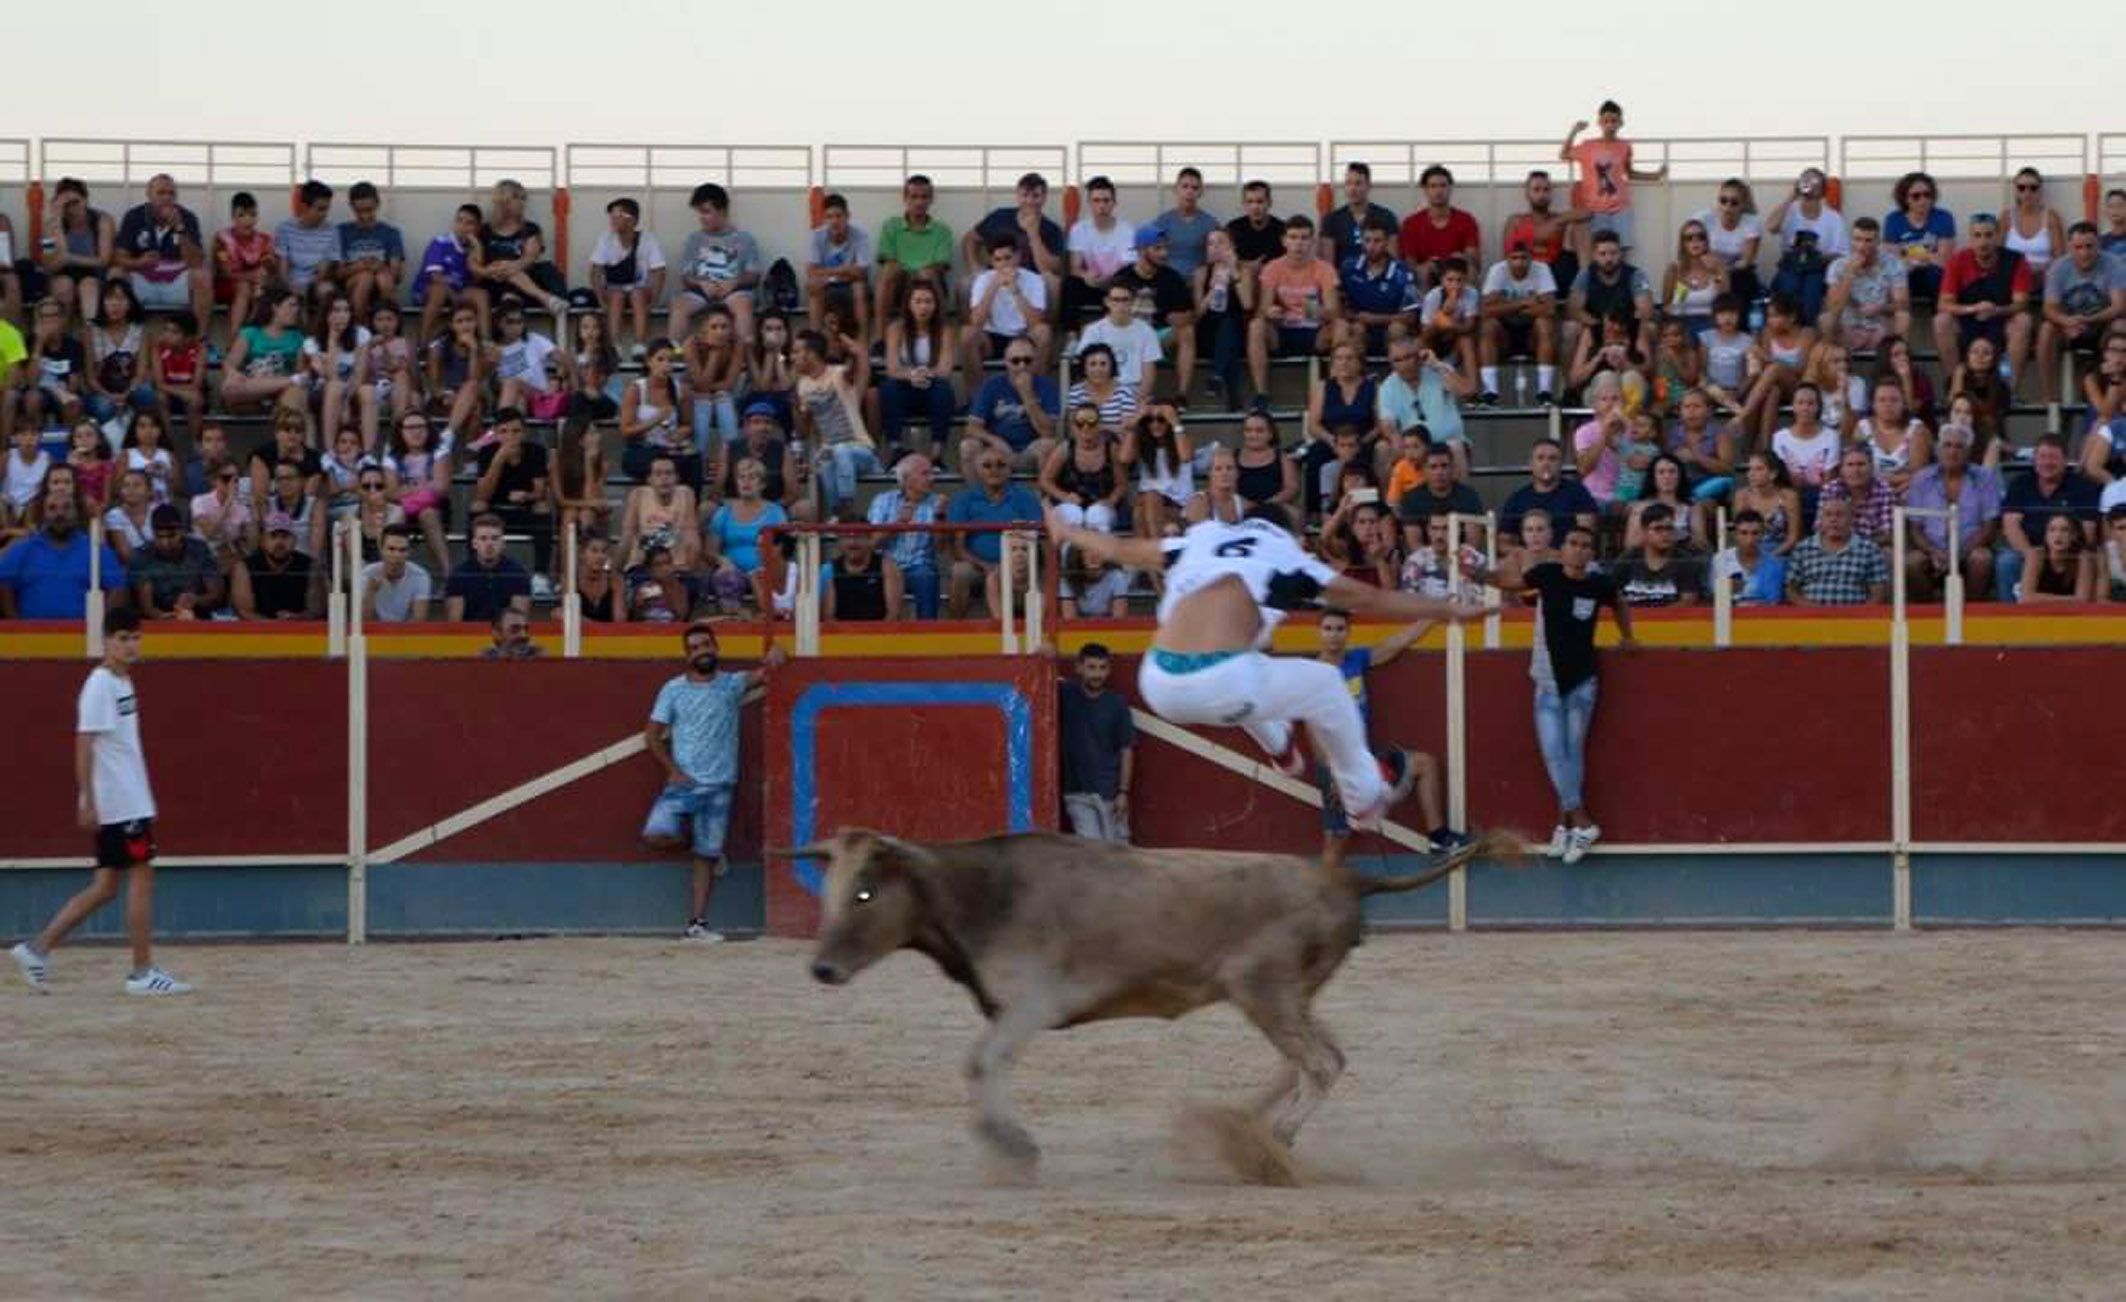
(433, 167)
(1222, 162)
(1962, 157)
(1473, 162)
(188, 162)
(2111, 155)
(961, 167)
(672, 167)
(14, 160)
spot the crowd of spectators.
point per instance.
(472, 382)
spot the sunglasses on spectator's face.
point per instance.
(2026, 186)
(373, 486)
(1921, 194)
(1018, 360)
(1082, 423)
(1730, 201)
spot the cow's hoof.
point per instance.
(1009, 1141)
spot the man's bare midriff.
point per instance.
(1221, 617)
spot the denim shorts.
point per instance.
(706, 806)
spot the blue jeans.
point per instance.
(839, 466)
(717, 417)
(1561, 730)
(922, 585)
(101, 408)
(2007, 573)
(900, 401)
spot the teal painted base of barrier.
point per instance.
(409, 901)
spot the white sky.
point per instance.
(743, 71)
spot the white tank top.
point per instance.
(1278, 572)
(1888, 463)
(2036, 249)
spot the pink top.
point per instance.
(1605, 174)
(1601, 482)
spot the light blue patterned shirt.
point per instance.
(703, 718)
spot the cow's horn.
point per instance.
(816, 850)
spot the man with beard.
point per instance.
(1555, 238)
(693, 736)
(277, 581)
(46, 575)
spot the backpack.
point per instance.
(779, 287)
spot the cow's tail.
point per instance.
(1489, 844)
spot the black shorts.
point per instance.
(1294, 341)
(125, 845)
(1520, 335)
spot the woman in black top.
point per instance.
(1081, 476)
(597, 582)
(1266, 473)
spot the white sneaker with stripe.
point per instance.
(36, 968)
(155, 981)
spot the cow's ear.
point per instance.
(895, 857)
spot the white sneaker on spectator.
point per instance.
(155, 981)
(36, 968)
(699, 931)
(1560, 837)
(1580, 841)
(542, 588)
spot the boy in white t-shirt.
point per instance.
(1136, 345)
(115, 803)
(1099, 245)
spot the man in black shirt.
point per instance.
(862, 582)
(1257, 235)
(1341, 230)
(1164, 301)
(1440, 494)
(1570, 596)
(1099, 750)
(488, 581)
(1660, 575)
(513, 479)
(277, 581)
(1547, 492)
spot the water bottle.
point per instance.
(1756, 316)
(1520, 386)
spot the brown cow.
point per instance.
(1048, 931)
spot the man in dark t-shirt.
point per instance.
(512, 484)
(1661, 574)
(1099, 747)
(1258, 235)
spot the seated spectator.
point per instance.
(1257, 234)
(221, 516)
(394, 589)
(1520, 319)
(921, 360)
(1606, 172)
(1845, 395)
(1549, 493)
(1155, 443)
(1678, 366)
(660, 591)
(1979, 400)
(1556, 238)
(2064, 569)
(461, 365)
(1099, 244)
(1611, 350)
(913, 247)
(177, 372)
(1807, 446)
(762, 439)
(174, 576)
(514, 488)
(1663, 573)
(2050, 489)
(1186, 225)
(1006, 303)
(1920, 235)
(2114, 561)
(1297, 304)
(1440, 494)
(651, 421)
(1754, 573)
(1667, 485)
(265, 362)
(528, 367)
(1082, 478)
(245, 260)
(662, 512)
(830, 416)
(46, 575)
(1898, 445)
(128, 524)
(1346, 398)
(1812, 234)
(1448, 318)
(2104, 389)
(23, 481)
(83, 250)
(1869, 298)
(1089, 589)
(1779, 359)
(1380, 296)
(53, 393)
(1421, 390)
(1429, 568)
(1695, 279)
(1976, 492)
(1439, 230)
(579, 499)
(1223, 289)
(163, 256)
(2032, 227)
(1219, 498)
(913, 501)
(1343, 230)
(1893, 361)
(1874, 505)
(861, 582)
(627, 269)
(88, 457)
(1038, 243)
(335, 364)
(1161, 300)
(838, 268)
(1132, 344)
(601, 591)
(1706, 450)
(1267, 475)
(991, 499)
(1610, 287)
(1101, 385)
(1735, 235)
(1362, 540)
(372, 253)
(1728, 357)
(488, 580)
(510, 258)
(1597, 445)
(446, 271)
(1836, 567)
(1408, 469)
(1015, 412)
(278, 582)
(1984, 292)
(308, 244)
(511, 633)
(732, 550)
(2085, 292)
(117, 357)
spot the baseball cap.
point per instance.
(1147, 236)
(760, 407)
(1520, 244)
(278, 522)
(165, 516)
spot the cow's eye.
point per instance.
(863, 895)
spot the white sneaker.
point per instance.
(155, 981)
(698, 931)
(542, 588)
(1560, 838)
(36, 968)
(1579, 841)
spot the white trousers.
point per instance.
(1099, 517)
(1266, 695)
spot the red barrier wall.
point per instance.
(2015, 744)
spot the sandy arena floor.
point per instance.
(1592, 1116)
